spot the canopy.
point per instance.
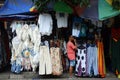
(62, 7)
(13, 7)
(99, 10)
(106, 11)
(18, 17)
(91, 11)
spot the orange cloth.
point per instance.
(101, 61)
(71, 50)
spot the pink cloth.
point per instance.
(70, 50)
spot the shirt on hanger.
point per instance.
(45, 24)
(62, 20)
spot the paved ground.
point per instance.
(7, 75)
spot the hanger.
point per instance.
(81, 46)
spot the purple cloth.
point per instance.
(92, 11)
(79, 70)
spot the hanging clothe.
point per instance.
(16, 68)
(15, 44)
(45, 24)
(62, 20)
(79, 28)
(76, 26)
(76, 29)
(25, 32)
(115, 55)
(45, 64)
(25, 45)
(56, 61)
(81, 62)
(26, 61)
(83, 30)
(92, 60)
(101, 59)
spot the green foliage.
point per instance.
(40, 4)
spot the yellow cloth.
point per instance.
(109, 2)
(119, 76)
(32, 9)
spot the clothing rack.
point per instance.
(26, 22)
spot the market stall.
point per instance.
(39, 39)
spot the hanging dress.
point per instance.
(56, 61)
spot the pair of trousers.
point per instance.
(45, 65)
(92, 60)
(81, 63)
(56, 61)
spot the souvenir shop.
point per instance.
(39, 45)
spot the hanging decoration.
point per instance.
(40, 4)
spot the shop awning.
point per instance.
(106, 10)
(12, 7)
(99, 10)
(91, 12)
(62, 7)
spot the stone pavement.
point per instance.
(7, 75)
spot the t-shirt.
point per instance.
(45, 24)
(62, 20)
(70, 50)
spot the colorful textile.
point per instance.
(81, 62)
(101, 59)
(56, 61)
